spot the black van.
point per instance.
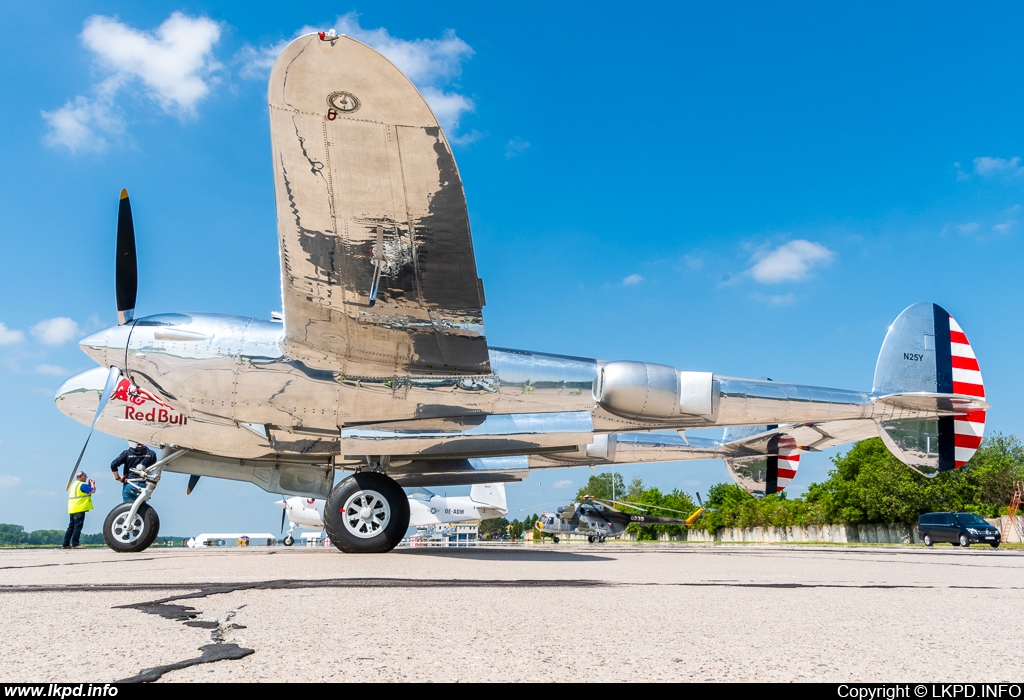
(959, 529)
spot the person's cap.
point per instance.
(132, 443)
(80, 474)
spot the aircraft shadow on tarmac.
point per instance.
(500, 555)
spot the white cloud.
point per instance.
(633, 279)
(448, 107)
(174, 64)
(8, 482)
(693, 262)
(564, 483)
(970, 227)
(515, 147)
(987, 166)
(55, 370)
(1004, 227)
(55, 331)
(257, 62)
(10, 337)
(82, 124)
(424, 61)
(791, 262)
(431, 64)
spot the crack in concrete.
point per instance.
(185, 613)
(221, 650)
(224, 650)
(211, 653)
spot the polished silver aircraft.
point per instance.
(378, 370)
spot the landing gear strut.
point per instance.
(132, 527)
(366, 513)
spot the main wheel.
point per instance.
(965, 541)
(590, 539)
(367, 513)
(928, 540)
(288, 541)
(995, 545)
(122, 536)
(555, 539)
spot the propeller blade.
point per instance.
(699, 502)
(108, 390)
(284, 514)
(126, 269)
(192, 481)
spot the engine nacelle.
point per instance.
(646, 391)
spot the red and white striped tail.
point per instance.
(789, 461)
(970, 427)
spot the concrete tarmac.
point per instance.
(534, 613)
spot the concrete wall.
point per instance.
(889, 534)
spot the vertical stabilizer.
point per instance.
(927, 352)
(490, 495)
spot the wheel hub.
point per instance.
(366, 514)
(124, 532)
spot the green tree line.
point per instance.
(16, 536)
(865, 485)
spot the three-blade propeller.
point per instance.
(126, 280)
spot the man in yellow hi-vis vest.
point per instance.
(79, 502)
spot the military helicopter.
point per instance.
(599, 519)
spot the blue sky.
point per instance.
(749, 189)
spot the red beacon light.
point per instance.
(329, 35)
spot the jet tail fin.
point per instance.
(927, 366)
(489, 494)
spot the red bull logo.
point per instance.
(146, 407)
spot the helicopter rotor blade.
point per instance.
(529, 509)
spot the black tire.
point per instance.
(927, 539)
(965, 541)
(288, 541)
(590, 539)
(386, 509)
(122, 539)
(601, 538)
(554, 539)
(995, 545)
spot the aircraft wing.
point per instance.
(377, 267)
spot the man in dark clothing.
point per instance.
(137, 456)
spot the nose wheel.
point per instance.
(126, 533)
(366, 513)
